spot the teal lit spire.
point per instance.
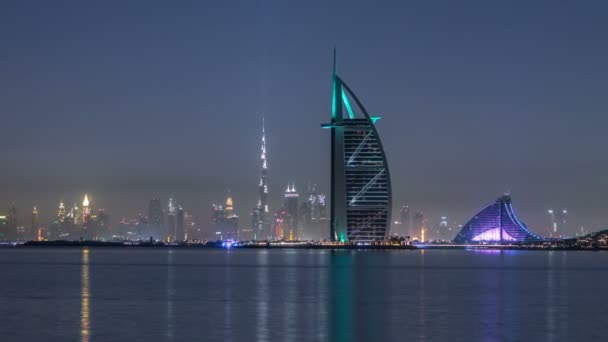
(334, 98)
(339, 95)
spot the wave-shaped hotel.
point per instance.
(360, 179)
(496, 223)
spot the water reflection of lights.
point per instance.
(85, 322)
(262, 297)
(170, 332)
(486, 251)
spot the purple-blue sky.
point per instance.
(130, 99)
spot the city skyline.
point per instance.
(92, 113)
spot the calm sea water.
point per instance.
(107, 294)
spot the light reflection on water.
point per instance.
(262, 295)
(170, 315)
(85, 322)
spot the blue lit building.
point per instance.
(360, 178)
(496, 223)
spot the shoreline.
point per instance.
(213, 245)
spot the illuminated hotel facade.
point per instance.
(360, 179)
(496, 223)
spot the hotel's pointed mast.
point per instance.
(338, 187)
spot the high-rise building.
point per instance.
(86, 210)
(290, 205)
(224, 221)
(279, 224)
(192, 231)
(63, 227)
(360, 178)
(3, 227)
(13, 222)
(312, 221)
(180, 232)
(405, 220)
(155, 219)
(170, 232)
(558, 222)
(419, 225)
(229, 206)
(76, 214)
(89, 222)
(102, 224)
(259, 215)
(442, 231)
(308, 229)
(217, 221)
(61, 212)
(34, 224)
(232, 220)
(562, 219)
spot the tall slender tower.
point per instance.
(155, 219)
(290, 206)
(86, 211)
(232, 220)
(180, 232)
(260, 215)
(229, 206)
(34, 228)
(170, 233)
(61, 212)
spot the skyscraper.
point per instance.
(232, 220)
(3, 227)
(86, 211)
(34, 226)
(312, 220)
(224, 222)
(171, 221)
(405, 219)
(259, 215)
(76, 214)
(102, 224)
(558, 222)
(155, 219)
(290, 205)
(419, 225)
(88, 219)
(13, 221)
(179, 226)
(192, 229)
(61, 212)
(360, 178)
(218, 221)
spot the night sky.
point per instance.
(126, 100)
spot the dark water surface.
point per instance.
(107, 294)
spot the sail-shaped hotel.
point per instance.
(360, 177)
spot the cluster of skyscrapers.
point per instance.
(12, 229)
(360, 203)
(71, 223)
(300, 216)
